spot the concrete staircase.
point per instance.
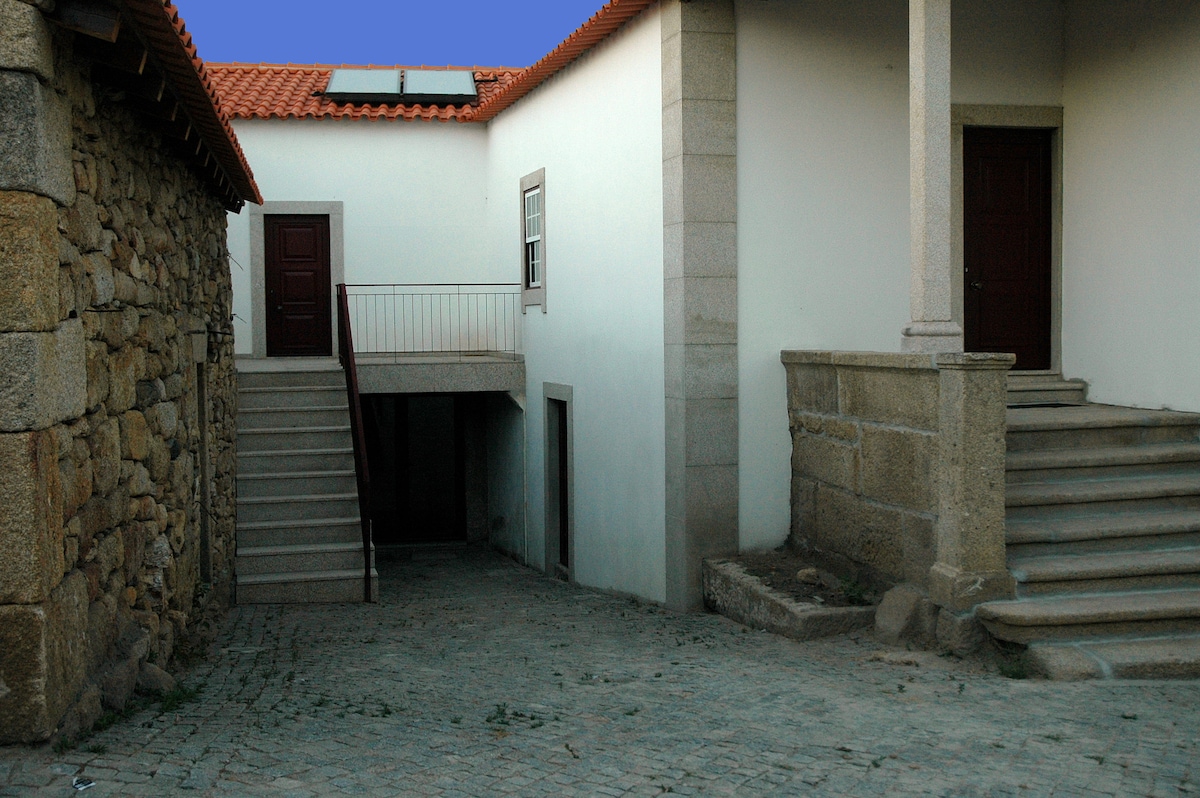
(1103, 537)
(299, 534)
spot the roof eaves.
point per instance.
(166, 36)
(608, 20)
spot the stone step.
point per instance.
(329, 376)
(304, 587)
(298, 507)
(1108, 490)
(1097, 426)
(1106, 571)
(1023, 390)
(1175, 657)
(299, 557)
(276, 438)
(292, 417)
(1100, 462)
(347, 529)
(1149, 613)
(289, 461)
(296, 484)
(1106, 529)
(302, 396)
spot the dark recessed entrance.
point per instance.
(417, 453)
(1007, 243)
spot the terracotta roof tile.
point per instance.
(165, 34)
(293, 91)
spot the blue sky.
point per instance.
(433, 32)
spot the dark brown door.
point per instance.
(298, 292)
(1006, 243)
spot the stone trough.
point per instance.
(739, 596)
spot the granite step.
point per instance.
(275, 438)
(1051, 389)
(290, 461)
(298, 483)
(304, 587)
(292, 417)
(299, 557)
(1083, 532)
(1093, 425)
(1108, 490)
(347, 529)
(1100, 462)
(292, 396)
(1077, 617)
(1107, 571)
(298, 507)
(1173, 657)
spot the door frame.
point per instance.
(552, 391)
(1046, 117)
(258, 262)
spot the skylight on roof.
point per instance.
(440, 86)
(365, 86)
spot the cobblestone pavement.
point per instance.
(476, 677)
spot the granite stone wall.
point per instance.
(117, 391)
(898, 469)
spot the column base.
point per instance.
(932, 337)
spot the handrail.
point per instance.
(361, 472)
(435, 318)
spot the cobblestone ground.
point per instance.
(476, 677)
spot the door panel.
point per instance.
(1006, 243)
(298, 288)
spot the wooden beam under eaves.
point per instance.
(95, 18)
(127, 54)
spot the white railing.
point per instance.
(431, 318)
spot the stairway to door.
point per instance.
(299, 534)
(1103, 537)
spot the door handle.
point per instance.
(977, 285)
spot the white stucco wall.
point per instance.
(1131, 218)
(414, 197)
(823, 188)
(596, 129)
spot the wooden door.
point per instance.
(298, 286)
(1007, 243)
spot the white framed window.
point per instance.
(533, 239)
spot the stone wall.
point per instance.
(898, 469)
(117, 393)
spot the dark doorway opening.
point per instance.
(1007, 240)
(417, 453)
(558, 487)
(298, 292)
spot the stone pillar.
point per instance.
(932, 328)
(42, 382)
(699, 84)
(969, 548)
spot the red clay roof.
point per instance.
(293, 91)
(167, 37)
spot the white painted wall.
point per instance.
(596, 129)
(1131, 217)
(414, 197)
(823, 237)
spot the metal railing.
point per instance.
(361, 472)
(463, 318)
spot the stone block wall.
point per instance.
(116, 479)
(898, 468)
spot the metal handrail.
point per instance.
(434, 318)
(361, 471)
